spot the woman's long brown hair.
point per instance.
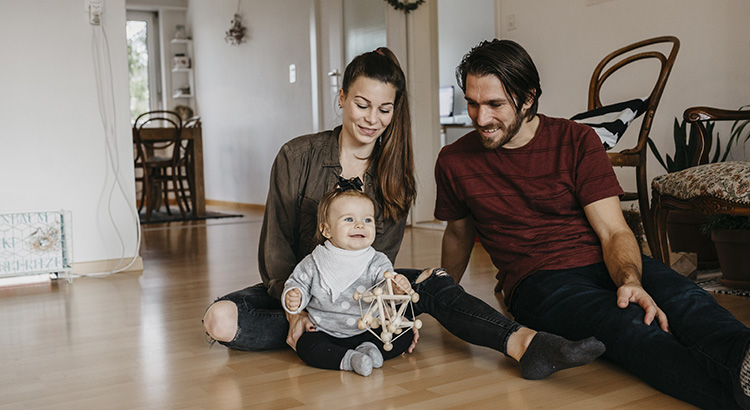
(393, 154)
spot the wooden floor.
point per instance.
(135, 341)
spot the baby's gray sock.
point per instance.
(371, 350)
(358, 362)
(548, 353)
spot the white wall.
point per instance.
(455, 42)
(568, 38)
(52, 141)
(248, 107)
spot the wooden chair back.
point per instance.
(616, 61)
(149, 150)
(697, 118)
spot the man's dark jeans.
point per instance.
(696, 363)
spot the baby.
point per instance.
(325, 281)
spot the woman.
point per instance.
(372, 144)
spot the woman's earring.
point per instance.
(380, 140)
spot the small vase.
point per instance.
(180, 32)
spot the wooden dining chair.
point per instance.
(186, 175)
(159, 159)
(635, 157)
(709, 189)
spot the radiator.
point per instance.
(35, 246)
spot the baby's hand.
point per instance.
(293, 299)
(403, 285)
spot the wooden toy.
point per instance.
(387, 309)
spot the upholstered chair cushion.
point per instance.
(729, 181)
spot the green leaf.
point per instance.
(652, 145)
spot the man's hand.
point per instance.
(628, 293)
(298, 324)
(293, 299)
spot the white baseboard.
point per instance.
(105, 266)
(22, 280)
(434, 225)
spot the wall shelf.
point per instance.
(183, 78)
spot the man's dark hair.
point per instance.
(511, 64)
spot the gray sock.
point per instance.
(548, 353)
(745, 374)
(371, 350)
(358, 362)
(742, 388)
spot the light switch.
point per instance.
(292, 73)
(512, 22)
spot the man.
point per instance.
(541, 196)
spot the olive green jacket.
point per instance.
(304, 170)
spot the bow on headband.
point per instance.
(347, 184)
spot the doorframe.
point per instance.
(418, 35)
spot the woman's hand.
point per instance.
(403, 286)
(298, 324)
(415, 340)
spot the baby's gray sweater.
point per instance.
(337, 318)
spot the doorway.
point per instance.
(453, 43)
(143, 62)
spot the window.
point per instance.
(143, 63)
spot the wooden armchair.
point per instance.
(635, 157)
(718, 188)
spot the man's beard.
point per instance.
(508, 134)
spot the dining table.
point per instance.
(194, 134)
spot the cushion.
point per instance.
(611, 121)
(729, 181)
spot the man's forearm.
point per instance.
(458, 241)
(619, 247)
(623, 259)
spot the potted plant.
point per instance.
(735, 134)
(685, 146)
(684, 228)
(731, 235)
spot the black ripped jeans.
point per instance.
(262, 323)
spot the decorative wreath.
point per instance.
(404, 5)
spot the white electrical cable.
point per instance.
(104, 83)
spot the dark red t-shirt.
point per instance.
(527, 203)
